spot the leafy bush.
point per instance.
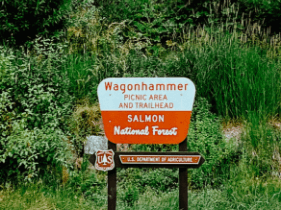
(155, 20)
(34, 105)
(28, 154)
(159, 180)
(22, 20)
(130, 196)
(205, 137)
(5, 114)
(85, 121)
(85, 180)
(86, 30)
(262, 10)
(165, 21)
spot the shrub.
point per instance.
(86, 181)
(166, 21)
(85, 121)
(130, 196)
(205, 137)
(157, 21)
(22, 20)
(262, 10)
(30, 153)
(34, 105)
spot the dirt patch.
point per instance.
(233, 132)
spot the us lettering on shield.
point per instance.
(104, 160)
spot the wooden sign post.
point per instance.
(146, 111)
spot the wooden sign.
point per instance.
(146, 110)
(160, 159)
(182, 159)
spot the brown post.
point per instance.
(121, 162)
(111, 180)
(183, 187)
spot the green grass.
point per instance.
(42, 197)
(53, 88)
(234, 78)
(244, 195)
(80, 75)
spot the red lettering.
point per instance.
(130, 87)
(108, 85)
(180, 86)
(115, 87)
(151, 87)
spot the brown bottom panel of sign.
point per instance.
(156, 159)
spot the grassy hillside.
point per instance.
(48, 104)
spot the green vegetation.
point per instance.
(48, 100)
(236, 195)
(22, 20)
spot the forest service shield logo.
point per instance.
(104, 160)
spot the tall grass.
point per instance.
(235, 79)
(237, 72)
(261, 143)
(80, 78)
(253, 194)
